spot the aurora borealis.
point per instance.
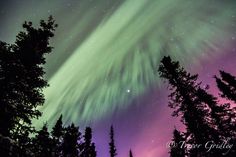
(103, 67)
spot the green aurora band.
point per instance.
(116, 62)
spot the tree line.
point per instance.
(210, 124)
(22, 81)
(206, 119)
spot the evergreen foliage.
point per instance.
(205, 119)
(227, 85)
(22, 81)
(177, 148)
(112, 143)
(70, 141)
(57, 137)
(130, 153)
(88, 147)
(21, 93)
(42, 143)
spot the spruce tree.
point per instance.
(130, 153)
(194, 110)
(21, 76)
(93, 152)
(112, 143)
(43, 143)
(70, 141)
(88, 148)
(21, 81)
(222, 115)
(177, 147)
(57, 135)
(227, 85)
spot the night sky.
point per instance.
(103, 69)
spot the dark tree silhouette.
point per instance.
(112, 143)
(43, 144)
(198, 109)
(93, 150)
(177, 147)
(70, 141)
(87, 147)
(57, 135)
(130, 153)
(227, 85)
(21, 81)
